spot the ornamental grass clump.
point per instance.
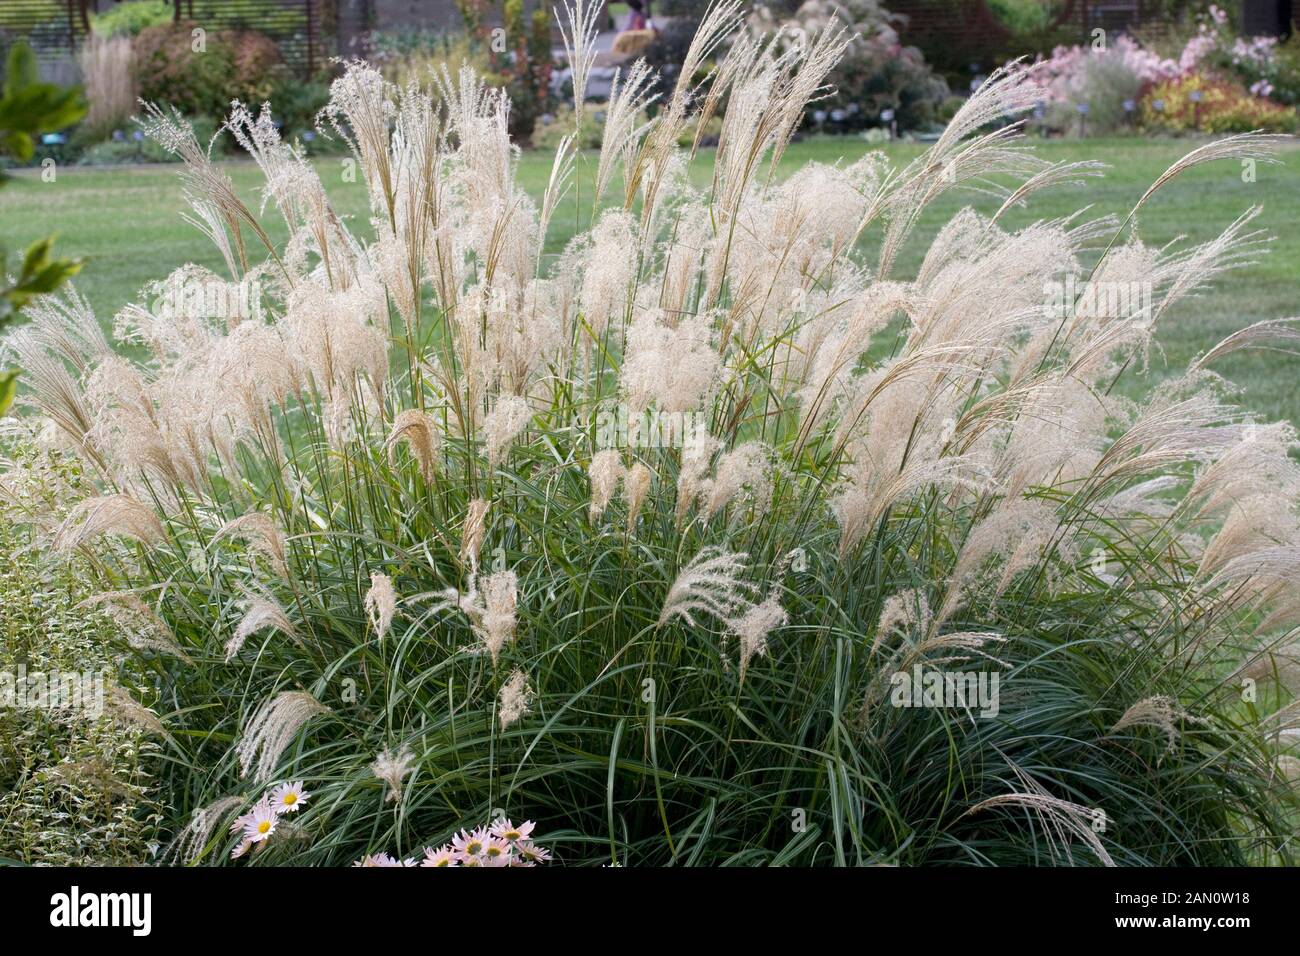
(387, 548)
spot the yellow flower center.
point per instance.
(474, 847)
(264, 826)
(290, 799)
(513, 835)
(494, 851)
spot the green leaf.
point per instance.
(29, 107)
(21, 70)
(41, 107)
(18, 145)
(41, 273)
(8, 388)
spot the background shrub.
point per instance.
(876, 72)
(1225, 107)
(236, 64)
(132, 146)
(523, 69)
(554, 127)
(417, 56)
(296, 103)
(131, 17)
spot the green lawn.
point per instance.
(125, 223)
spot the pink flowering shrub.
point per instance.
(1261, 65)
(1264, 67)
(1100, 80)
(1111, 85)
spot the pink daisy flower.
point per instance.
(468, 845)
(531, 854)
(496, 852)
(507, 831)
(443, 856)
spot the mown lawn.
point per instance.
(125, 223)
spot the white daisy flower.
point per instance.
(259, 823)
(288, 797)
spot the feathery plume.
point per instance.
(753, 627)
(1170, 431)
(491, 608)
(819, 57)
(710, 584)
(629, 96)
(361, 110)
(608, 271)
(906, 610)
(380, 603)
(507, 420)
(120, 705)
(473, 530)
(494, 617)
(512, 702)
(393, 767)
(421, 434)
(143, 629)
(1251, 524)
(189, 843)
(272, 728)
(605, 471)
(1057, 174)
(557, 187)
(1160, 712)
(262, 534)
(676, 366)
(1060, 819)
(1259, 147)
(261, 612)
(1018, 534)
(202, 178)
(1273, 335)
(693, 474)
(745, 470)
(109, 514)
(1281, 664)
(636, 485)
(53, 392)
(580, 45)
